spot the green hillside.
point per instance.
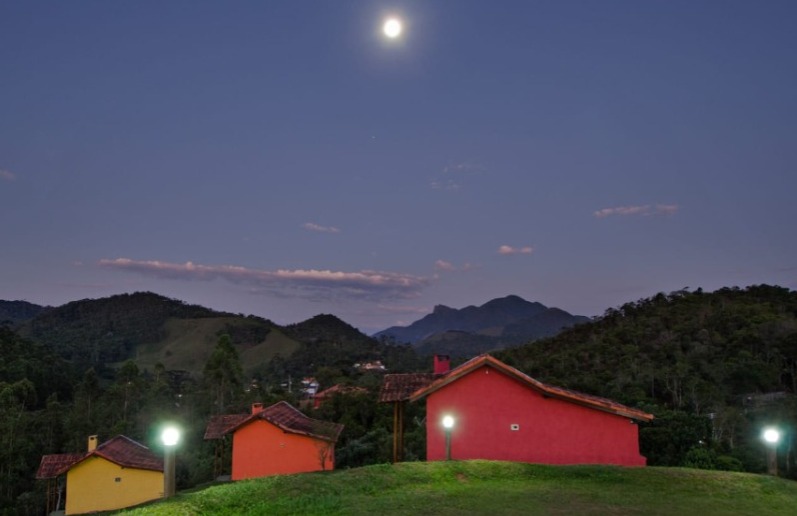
(485, 487)
(188, 343)
(151, 329)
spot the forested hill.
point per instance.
(111, 326)
(724, 362)
(16, 312)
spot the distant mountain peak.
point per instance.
(487, 324)
(439, 309)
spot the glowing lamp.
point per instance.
(170, 436)
(448, 424)
(771, 435)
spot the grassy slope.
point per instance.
(485, 487)
(189, 343)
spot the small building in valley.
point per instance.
(276, 440)
(116, 474)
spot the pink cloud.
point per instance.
(446, 266)
(442, 265)
(302, 282)
(508, 249)
(310, 226)
(7, 175)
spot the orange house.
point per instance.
(277, 440)
(116, 474)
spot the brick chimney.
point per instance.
(442, 364)
(257, 408)
(92, 443)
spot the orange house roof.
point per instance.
(120, 450)
(551, 391)
(281, 415)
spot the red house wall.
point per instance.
(261, 449)
(485, 403)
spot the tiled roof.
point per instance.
(341, 389)
(218, 426)
(129, 454)
(586, 400)
(120, 450)
(399, 387)
(291, 420)
(282, 415)
(52, 465)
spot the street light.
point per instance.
(170, 436)
(772, 438)
(448, 424)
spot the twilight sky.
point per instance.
(285, 159)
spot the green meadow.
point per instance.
(488, 487)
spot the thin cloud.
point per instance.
(453, 176)
(6, 175)
(442, 265)
(308, 283)
(508, 249)
(446, 266)
(666, 209)
(311, 226)
(642, 210)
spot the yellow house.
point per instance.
(116, 474)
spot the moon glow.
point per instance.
(392, 28)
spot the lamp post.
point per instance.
(448, 424)
(170, 436)
(772, 438)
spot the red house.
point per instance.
(499, 413)
(277, 440)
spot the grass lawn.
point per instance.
(487, 487)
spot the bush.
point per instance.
(728, 463)
(700, 458)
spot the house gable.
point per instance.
(578, 398)
(98, 484)
(261, 448)
(500, 415)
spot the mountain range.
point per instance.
(151, 329)
(497, 324)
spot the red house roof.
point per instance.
(120, 450)
(52, 465)
(219, 426)
(281, 415)
(551, 391)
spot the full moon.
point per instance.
(392, 28)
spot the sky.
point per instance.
(286, 158)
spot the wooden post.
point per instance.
(401, 431)
(395, 431)
(398, 431)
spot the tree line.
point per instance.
(714, 368)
